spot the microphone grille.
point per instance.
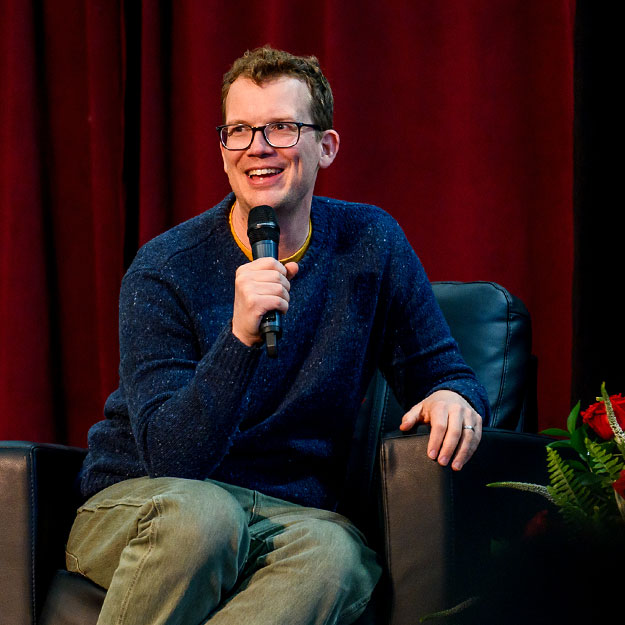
(262, 224)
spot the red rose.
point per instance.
(597, 418)
(537, 525)
(619, 485)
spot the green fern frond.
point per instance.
(603, 462)
(566, 490)
(581, 507)
(575, 518)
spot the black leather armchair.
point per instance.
(434, 526)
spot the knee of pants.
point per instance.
(182, 524)
(339, 557)
(204, 517)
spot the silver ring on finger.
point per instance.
(469, 427)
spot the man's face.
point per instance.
(283, 178)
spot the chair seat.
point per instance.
(72, 600)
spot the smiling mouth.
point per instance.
(266, 172)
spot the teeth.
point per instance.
(263, 172)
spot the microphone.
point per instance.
(264, 235)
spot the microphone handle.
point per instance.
(271, 324)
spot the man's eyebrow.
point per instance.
(275, 118)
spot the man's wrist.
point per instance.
(249, 340)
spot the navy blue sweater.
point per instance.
(194, 402)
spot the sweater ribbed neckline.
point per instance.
(319, 225)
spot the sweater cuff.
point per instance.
(229, 358)
(472, 392)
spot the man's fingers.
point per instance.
(261, 286)
(411, 417)
(267, 262)
(458, 415)
(291, 270)
(445, 430)
(470, 439)
(455, 428)
(265, 283)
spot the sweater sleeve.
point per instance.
(420, 355)
(184, 406)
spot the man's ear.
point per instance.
(329, 148)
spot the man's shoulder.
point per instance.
(183, 239)
(357, 208)
(355, 216)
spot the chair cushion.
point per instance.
(493, 330)
(72, 600)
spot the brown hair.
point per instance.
(266, 63)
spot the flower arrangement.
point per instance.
(587, 480)
(580, 536)
(535, 577)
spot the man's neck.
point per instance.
(294, 227)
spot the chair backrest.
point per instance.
(494, 334)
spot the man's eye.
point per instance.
(237, 130)
(283, 127)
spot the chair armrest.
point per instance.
(438, 524)
(38, 501)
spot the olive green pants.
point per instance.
(175, 551)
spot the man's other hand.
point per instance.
(259, 287)
(456, 429)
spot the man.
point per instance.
(213, 480)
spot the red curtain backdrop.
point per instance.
(455, 116)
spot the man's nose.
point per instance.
(259, 144)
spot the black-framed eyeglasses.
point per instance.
(277, 134)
